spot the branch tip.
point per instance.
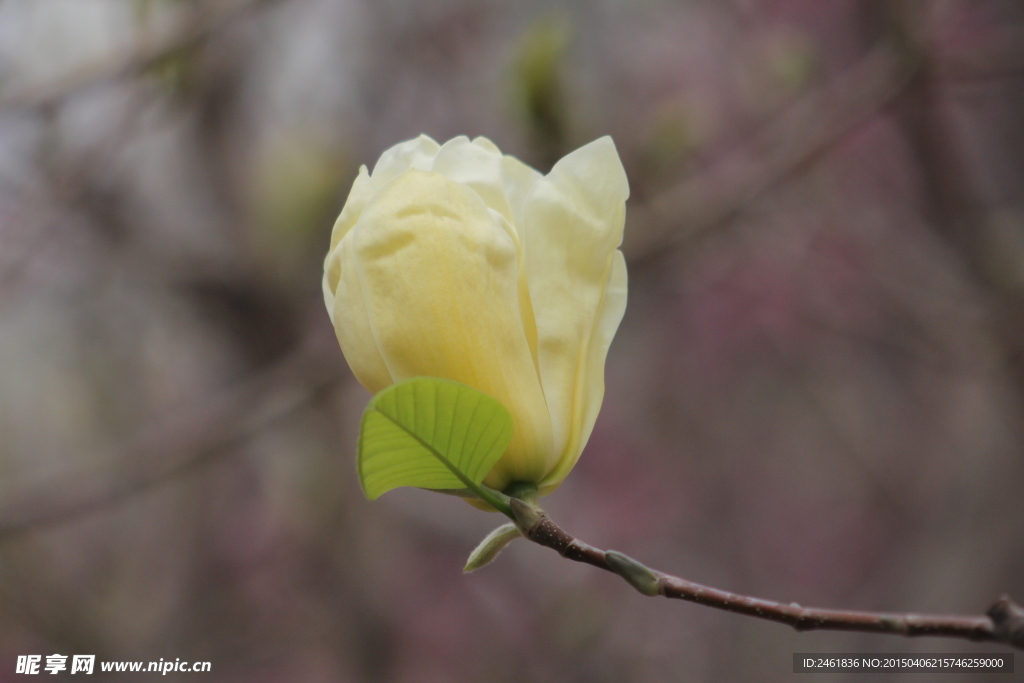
(1008, 619)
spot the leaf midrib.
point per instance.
(485, 493)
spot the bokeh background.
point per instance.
(815, 396)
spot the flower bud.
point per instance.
(458, 262)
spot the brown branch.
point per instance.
(176, 446)
(201, 25)
(1000, 56)
(1003, 623)
(798, 136)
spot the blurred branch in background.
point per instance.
(1000, 56)
(179, 444)
(798, 136)
(202, 22)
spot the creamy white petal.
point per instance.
(362, 190)
(613, 307)
(518, 178)
(481, 166)
(481, 141)
(477, 166)
(573, 222)
(328, 292)
(418, 153)
(440, 278)
(352, 321)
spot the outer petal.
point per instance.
(362, 190)
(352, 322)
(343, 293)
(439, 277)
(613, 307)
(519, 179)
(573, 222)
(477, 166)
(481, 166)
(418, 153)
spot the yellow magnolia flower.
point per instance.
(456, 261)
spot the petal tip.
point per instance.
(597, 165)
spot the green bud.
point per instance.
(492, 544)
(637, 575)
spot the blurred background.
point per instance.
(815, 396)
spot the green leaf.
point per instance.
(434, 434)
